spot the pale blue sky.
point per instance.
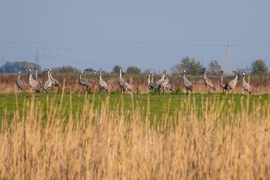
(147, 34)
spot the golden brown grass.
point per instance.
(118, 144)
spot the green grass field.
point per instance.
(156, 106)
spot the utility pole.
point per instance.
(229, 58)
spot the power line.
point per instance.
(121, 47)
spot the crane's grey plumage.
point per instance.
(233, 82)
(102, 84)
(83, 82)
(165, 84)
(33, 83)
(123, 84)
(207, 81)
(157, 84)
(54, 81)
(187, 84)
(224, 85)
(37, 79)
(150, 83)
(48, 83)
(246, 86)
(19, 82)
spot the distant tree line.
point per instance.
(23, 66)
(194, 67)
(190, 65)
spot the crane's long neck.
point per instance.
(120, 74)
(149, 79)
(184, 75)
(49, 75)
(204, 74)
(19, 76)
(152, 78)
(80, 76)
(236, 77)
(36, 73)
(221, 78)
(163, 75)
(99, 75)
(30, 76)
(166, 75)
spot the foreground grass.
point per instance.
(157, 104)
(171, 136)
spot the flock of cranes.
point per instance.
(162, 84)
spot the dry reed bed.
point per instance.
(113, 144)
(261, 85)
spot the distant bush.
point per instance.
(133, 70)
(14, 67)
(116, 69)
(66, 69)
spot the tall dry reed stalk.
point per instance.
(104, 143)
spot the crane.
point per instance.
(233, 83)
(187, 84)
(83, 82)
(123, 84)
(150, 83)
(207, 81)
(54, 81)
(48, 83)
(157, 84)
(37, 79)
(34, 83)
(246, 86)
(102, 84)
(165, 83)
(224, 85)
(19, 82)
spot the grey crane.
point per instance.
(123, 84)
(102, 84)
(54, 81)
(19, 82)
(37, 79)
(207, 81)
(224, 85)
(187, 84)
(246, 86)
(34, 83)
(165, 84)
(233, 83)
(48, 83)
(150, 83)
(83, 82)
(157, 84)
